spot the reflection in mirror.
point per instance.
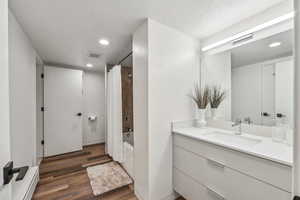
(258, 78)
(262, 80)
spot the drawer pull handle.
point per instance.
(217, 163)
(219, 196)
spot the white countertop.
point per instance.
(267, 148)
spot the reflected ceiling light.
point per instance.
(252, 30)
(104, 42)
(275, 44)
(89, 65)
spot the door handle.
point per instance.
(265, 114)
(9, 171)
(280, 115)
(213, 192)
(217, 163)
(79, 114)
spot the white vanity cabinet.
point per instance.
(204, 171)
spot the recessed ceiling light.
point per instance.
(89, 65)
(275, 44)
(104, 42)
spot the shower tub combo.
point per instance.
(128, 155)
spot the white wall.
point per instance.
(247, 92)
(296, 168)
(5, 155)
(93, 104)
(165, 70)
(140, 112)
(216, 70)
(22, 73)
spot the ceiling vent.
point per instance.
(94, 55)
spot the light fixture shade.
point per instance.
(251, 31)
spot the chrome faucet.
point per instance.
(238, 122)
(248, 120)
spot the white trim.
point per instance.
(251, 31)
(23, 190)
(101, 141)
(105, 108)
(296, 171)
(39, 161)
(171, 196)
(31, 189)
(139, 197)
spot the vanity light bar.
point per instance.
(242, 39)
(251, 31)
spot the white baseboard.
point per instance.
(39, 160)
(24, 189)
(93, 142)
(172, 196)
(139, 197)
(31, 189)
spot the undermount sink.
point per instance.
(232, 138)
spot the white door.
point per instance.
(268, 95)
(63, 110)
(284, 84)
(5, 154)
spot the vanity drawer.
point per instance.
(187, 187)
(273, 173)
(239, 187)
(195, 176)
(190, 189)
(190, 163)
(207, 172)
(243, 187)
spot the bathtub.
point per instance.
(128, 155)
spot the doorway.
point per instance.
(63, 110)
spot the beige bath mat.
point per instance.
(107, 177)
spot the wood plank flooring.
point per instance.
(64, 177)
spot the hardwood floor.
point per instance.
(64, 177)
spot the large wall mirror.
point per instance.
(258, 79)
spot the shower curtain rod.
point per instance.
(125, 58)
